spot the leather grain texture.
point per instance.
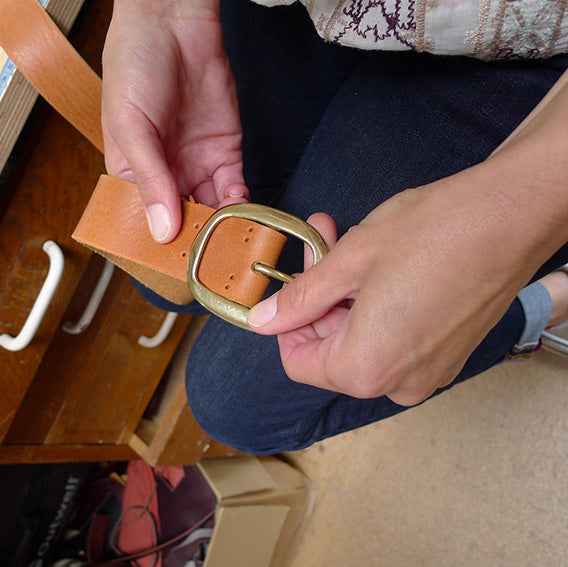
(45, 57)
(226, 264)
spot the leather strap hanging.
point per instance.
(45, 57)
(114, 223)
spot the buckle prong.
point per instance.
(271, 272)
(232, 311)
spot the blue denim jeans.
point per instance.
(333, 129)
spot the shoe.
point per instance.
(555, 339)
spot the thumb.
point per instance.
(308, 297)
(141, 147)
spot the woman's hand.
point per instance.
(170, 113)
(425, 277)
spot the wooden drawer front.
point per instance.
(65, 396)
(51, 194)
(48, 203)
(94, 387)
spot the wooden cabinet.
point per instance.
(86, 396)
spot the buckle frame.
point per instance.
(229, 310)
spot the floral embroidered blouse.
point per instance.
(486, 29)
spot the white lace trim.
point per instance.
(487, 29)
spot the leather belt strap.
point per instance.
(45, 57)
(114, 222)
(226, 264)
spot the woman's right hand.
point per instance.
(170, 112)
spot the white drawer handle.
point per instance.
(93, 304)
(56, 263)
(160, 336)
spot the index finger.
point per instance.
(142, 149)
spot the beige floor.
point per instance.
(476, 477)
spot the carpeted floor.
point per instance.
(475, 477)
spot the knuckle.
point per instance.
(115, 165)
(411, 396)
(295, 295)
(122, 112)
(379, 376)
(148, 182)
(367, 372)
(119, 120)
(365, 382)
(122, 116)
(293, 374)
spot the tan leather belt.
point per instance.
(114, 223)
(45, 57)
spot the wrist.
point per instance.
(530, 175)
(536, 154)
(521, 209)
(506, 215)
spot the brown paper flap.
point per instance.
(245, 536)
(236, 475)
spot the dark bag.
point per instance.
(148, 517)
(38, 502)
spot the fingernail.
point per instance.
(159, 221)
(262, 313)
(236, 193)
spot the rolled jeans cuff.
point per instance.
(537, 307)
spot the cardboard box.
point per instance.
(263, 506)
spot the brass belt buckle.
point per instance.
(232, 311)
